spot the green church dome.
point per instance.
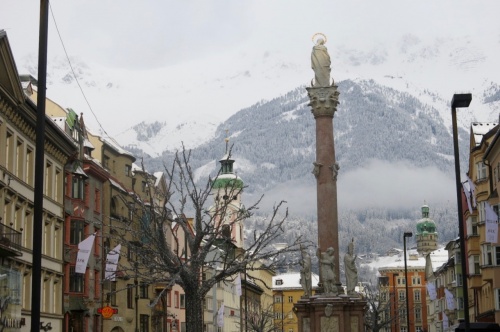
(426, 225)
(230, 181)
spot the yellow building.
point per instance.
(483, 267)
(286, 292)
(17, 168)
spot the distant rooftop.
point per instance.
(291, 281)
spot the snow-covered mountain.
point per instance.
(392, 128)
(196, 96)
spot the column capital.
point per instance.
(323, 100)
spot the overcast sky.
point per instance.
(156, 33)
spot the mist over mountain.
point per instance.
(395, 153)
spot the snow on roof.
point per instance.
(291, 280)
(479, 129)
(158, 176)
(117, 184)
(438, 258)
(87, 144)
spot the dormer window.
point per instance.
(278, 282)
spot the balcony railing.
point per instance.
(10, 241)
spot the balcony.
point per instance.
(10, 241)
(475, 281)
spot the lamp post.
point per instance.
(405, 235)
(460, 100)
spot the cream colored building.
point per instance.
(17, 164)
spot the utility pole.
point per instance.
(39, 168)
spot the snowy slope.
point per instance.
(193, 97)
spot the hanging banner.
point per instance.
(450, 301)
(112, 263)
(431, 289)
(220, 316)
(237, 283)
(446, 322)
(467, 197)
(84, 250)
(472, 189)
(491, 224)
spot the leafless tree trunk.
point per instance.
(173, 249)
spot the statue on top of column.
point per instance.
(320, 63)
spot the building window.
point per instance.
(474, 265)
(144, 323)
(497, 256)
(76, 281)
(97, 201)
(278, 282)
(77, 187)
(416, 281)
(417, 295)
(401, 295)
(277, 299)
(176, 299)
(401, 281)
(127, 170)
(76, 231)
(183, 301)
(290, 299)
(481, 211)
(481, 171)
(130, 297)
(143, 291)
(487, 254)
(460, 303)
(418, 329)
(111, 294)
(497, 298)
(418, 314)
(169, 299)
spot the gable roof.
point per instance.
(9, 77)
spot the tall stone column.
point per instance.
(329, 309)
(324, 101)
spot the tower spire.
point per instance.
(227, 141)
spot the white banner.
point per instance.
(472, 189)
(431, 289)
(237, 284)
(84, 250)
(446, 323)
(112, 263)
(220, 316)
(491, 224)
(450, 301)
(468, 197)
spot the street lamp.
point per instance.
(405, 235)
(460, 100)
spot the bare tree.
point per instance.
(383, 308)
(172, 248)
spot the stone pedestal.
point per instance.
(331, 314)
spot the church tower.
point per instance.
(227, 189)
(427, 236)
